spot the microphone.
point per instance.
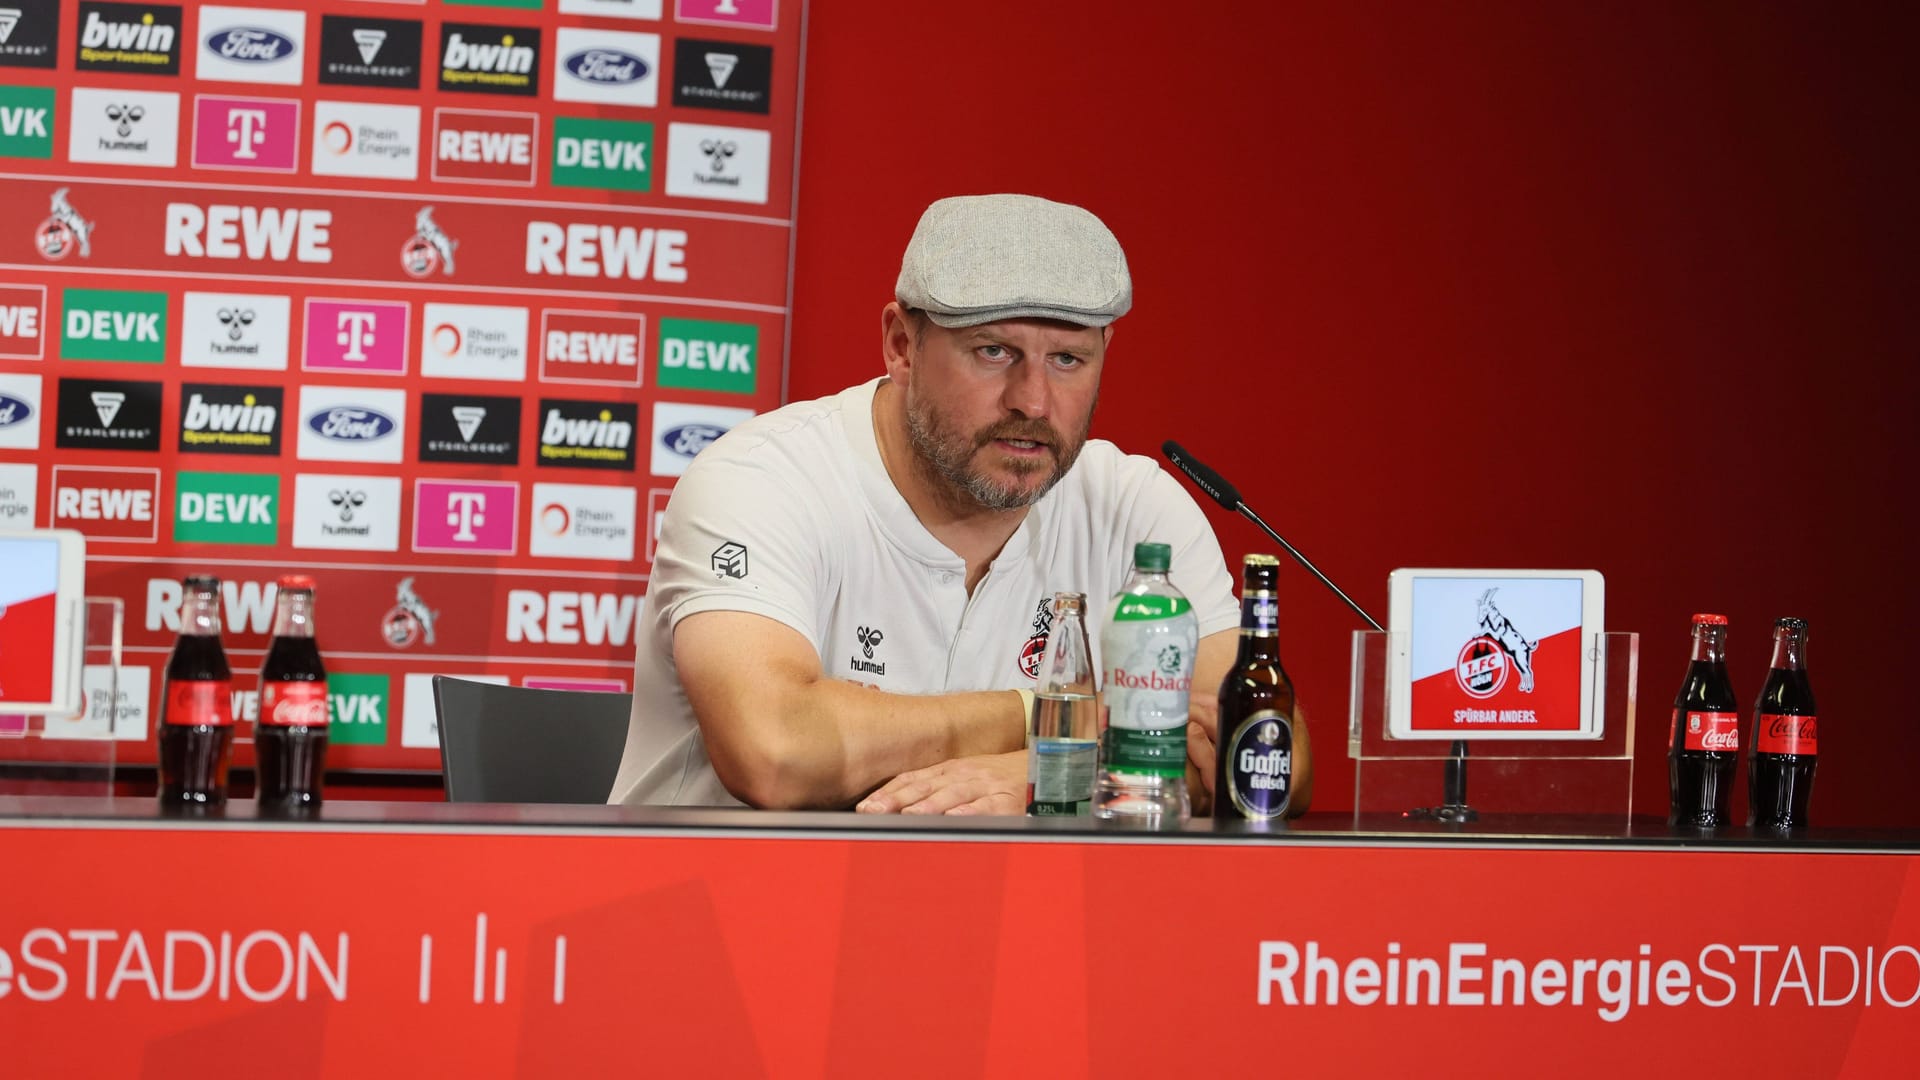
(1227, 495)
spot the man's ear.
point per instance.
(898, 333)
(1106, 337)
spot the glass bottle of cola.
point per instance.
(1063, 734)
(290, 742)
(1704, 743)
(196, 704)
(1785, 733)
(1254, 766)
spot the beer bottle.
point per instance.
(196, 704)
(1704, 742)
(1785, 731)
(1253, 767)
(290, 742)
(1063, 746)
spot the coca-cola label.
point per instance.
(1711, 731)
(293, 704)
(201, 701)
(1779, 734)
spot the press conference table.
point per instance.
(417, 939)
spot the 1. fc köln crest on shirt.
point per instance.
(1036, 645)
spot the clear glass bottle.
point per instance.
(1147, 650)
(1063, 737)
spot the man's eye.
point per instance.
(994, 352)
(1068, 360)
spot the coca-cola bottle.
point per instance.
(1785, 730)
(1704, 742)
(196, 704)
(290, 742)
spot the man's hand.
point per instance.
(1200, 768)
(987, 784)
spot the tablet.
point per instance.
(1493, 654)
(42, 580)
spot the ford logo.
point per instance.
(351, 423)
(14, 411)
(250, 45)
(606, 66)
(689, 439)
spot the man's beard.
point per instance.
(949, 455)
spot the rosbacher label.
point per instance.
(1149, 674)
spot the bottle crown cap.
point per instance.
(1261, 560)
(296, 581)
(201, 581)
(1152, 557)
(1790, 623)
(1709, 620)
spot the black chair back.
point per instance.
(514, 744)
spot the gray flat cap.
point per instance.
(981, 258)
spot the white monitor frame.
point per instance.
(69, 574)
(1402, 641)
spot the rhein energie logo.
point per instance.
(1485, 660)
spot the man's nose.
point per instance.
(1028, 392)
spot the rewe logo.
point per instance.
(490, 59)
(583, 250)
(484, 147)
(247, 606)
(23, 310)
(596, 348)
(106, 503)
(254, 233)
(571, 618)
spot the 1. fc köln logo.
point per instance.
(64, 232)
(1036, 647)
(429, 249)
(1486, 659)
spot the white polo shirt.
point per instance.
(792, 516)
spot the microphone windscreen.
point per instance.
(1205, 479)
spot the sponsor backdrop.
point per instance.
(539, 955)
(431, 301)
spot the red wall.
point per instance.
(1501, 284)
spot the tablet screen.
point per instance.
(1496, 654)
(29, 580)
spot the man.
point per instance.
(845, 589)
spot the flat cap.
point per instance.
(978, 259)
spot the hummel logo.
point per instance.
(107, 404)
(468, 418)
(9, 18)
(720, 65)
(869, 638)
(369, 42)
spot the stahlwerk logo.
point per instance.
(488, 59)
(98, 414)
(588, 434)
(358, 51)
(29, 33)
(141, 39)
(467, 429)
(722, 75)
(218, 419)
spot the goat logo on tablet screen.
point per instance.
(1496, 654)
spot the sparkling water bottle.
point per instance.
(1147, 650)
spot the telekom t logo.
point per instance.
(726, 8)
(465, 511)
(246, 130)
(355, 331)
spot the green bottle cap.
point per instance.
(1152, 557)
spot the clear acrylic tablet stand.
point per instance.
(76, 754)
(1535, 777)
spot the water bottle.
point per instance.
(1063, 746)
(1147, 649)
